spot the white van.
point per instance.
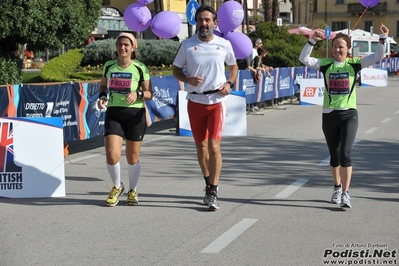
(367, 43)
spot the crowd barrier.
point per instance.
(76, 102)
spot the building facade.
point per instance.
(349, 14)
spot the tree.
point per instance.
(42, 24)
(47, 23)
(275, 10)
(266, 10)
(283, 48)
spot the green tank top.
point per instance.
(339, 83)
(122, 81)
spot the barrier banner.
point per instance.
(310, 73)
(94, 117)
(284, 85)
(374, 77)
(268, 86)
(61, 100)
(164, 102)
(312, 91)
(253, 92)
(31, 157)
(4, 101)
(235, 123)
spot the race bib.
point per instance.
(120, 82)
(339, 83)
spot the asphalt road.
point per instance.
(274, 196)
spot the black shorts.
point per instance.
(129, 123)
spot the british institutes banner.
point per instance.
(31, 157)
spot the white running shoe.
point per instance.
(345, 200)
(336, 196)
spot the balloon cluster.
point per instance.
(165, 24)
(231, 15)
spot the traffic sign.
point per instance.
(327, 32)
(191, 8)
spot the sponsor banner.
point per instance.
(246, 84)
(235, 123)
(284, 85)
(62, 100)
(4, 101)
(374, 77)
(31, 157)
(94, 117)
(164, 101)
(312, 91)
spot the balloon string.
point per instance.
(360, 17)
(142, 20)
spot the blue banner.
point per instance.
(164, 102)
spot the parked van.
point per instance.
(367, 43)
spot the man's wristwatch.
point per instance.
(230, 83)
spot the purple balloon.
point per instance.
(230, 15)
(369, 3)
(242, 44)
(166, 24)
(137, 17)
(145, 2)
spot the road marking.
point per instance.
(386, 120)
(226, 238)
(326, 161)
(285, 193)
(396, 113)
(371, 130)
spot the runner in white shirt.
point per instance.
(200, 63)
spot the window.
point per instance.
(339, 25)
(339, 2)
(362, 45)
(374, 46)
(397, 28)
(367, 25)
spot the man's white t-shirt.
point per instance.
(254, 53)
(207, 60)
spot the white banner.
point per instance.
(32, 157)
(374, 77)
(235, 123)
(312, 91)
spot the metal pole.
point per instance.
(246, 16)
(326, 48)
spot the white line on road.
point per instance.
(396, 113)
(386, 120)
(285, 193)
(226, 238)
(371, 130)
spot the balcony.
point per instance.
(358, 9)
